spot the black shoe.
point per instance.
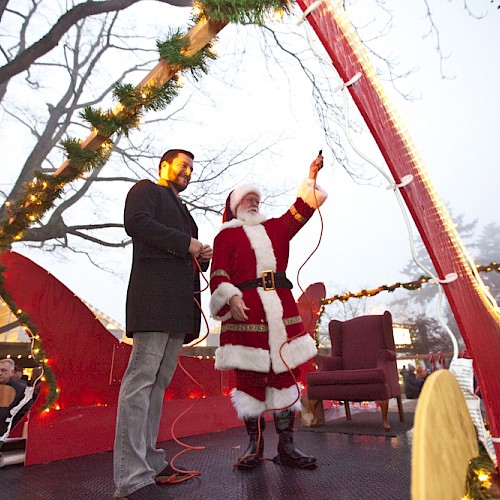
(288, 453)
(170, 476)
(253, 454)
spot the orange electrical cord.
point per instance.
(189, 474)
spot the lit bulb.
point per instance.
(483, 475)
(197, 10)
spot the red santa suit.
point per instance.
(264, 348)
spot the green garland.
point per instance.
(241, 11)
(83, 160)
(410, 285)
(149, 97)
(483, 481)
(175, 52)
(36, 198)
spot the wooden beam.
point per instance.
(199, 36)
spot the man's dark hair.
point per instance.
(173, 153)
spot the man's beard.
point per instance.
(249, 217)
(178, 187)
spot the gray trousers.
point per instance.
(136, 460)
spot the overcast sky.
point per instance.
(454, 123)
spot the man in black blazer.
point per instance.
(161, 314)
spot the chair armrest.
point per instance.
(329, 363)
(384, 356)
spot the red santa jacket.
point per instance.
(242, 251)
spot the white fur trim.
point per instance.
(313, 197)
(231, 356)
(220, 298)
(280, 399)
(296, 352)
(256, 219)
(277, 330)
(239, 193)
(232, 223)
(263, 248)
(265, 258)
(245, 405)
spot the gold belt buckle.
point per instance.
(268, 280)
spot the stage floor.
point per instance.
(349, 467)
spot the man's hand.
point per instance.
(195, 247)
(315, 167)
(206, 253)
(238, 308)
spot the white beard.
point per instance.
(249, 217)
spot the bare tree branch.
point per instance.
(90, 8)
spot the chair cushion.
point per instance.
(350, 377)
(329, 363)
(346, 392)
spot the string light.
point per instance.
(415, 285)
(410, 285)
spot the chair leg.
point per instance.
(400, 409)
(384, 406)
(347, 410)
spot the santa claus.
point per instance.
(262, 337)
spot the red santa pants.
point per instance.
(255, 383)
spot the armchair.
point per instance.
(362, 365)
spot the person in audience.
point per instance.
(12, 394)
(413, 385)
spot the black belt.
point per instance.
(269, 281)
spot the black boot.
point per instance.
(251, 458)
(288, 453)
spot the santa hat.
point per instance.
(234, 199)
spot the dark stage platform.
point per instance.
(349, 467)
